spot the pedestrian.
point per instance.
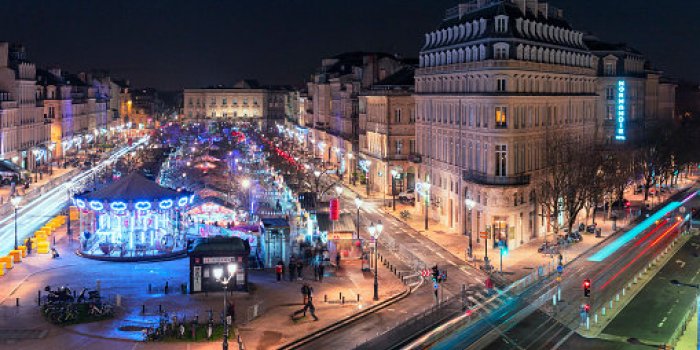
(312, 309)
(305, 293)
(279, 268)
(29, 246)
(337, 260)
(315, 271)
(300, 269)
(292, 269)
(231, 312)
(321, 269)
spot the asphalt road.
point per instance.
(535, 330)
(34, 214)
(655, 313)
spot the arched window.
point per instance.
(526, 53)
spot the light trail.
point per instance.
(611, 248)
(33, 215)
(653, 243)
(643, 239)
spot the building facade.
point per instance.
(24, 133)
(387, 133)
(630, 93)
(245, 100)
(332, 106)
(495, 80)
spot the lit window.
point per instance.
(501, 117)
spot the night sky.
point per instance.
(175, 44)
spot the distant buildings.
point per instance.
(245, 100)
(51, 115)
(332, 108)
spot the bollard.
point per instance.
(588, 322)
(325, 298)
(166, 287)
(160, 308)
(38, 298)
(623, 291)
(149, 288)
(143, 309)
(603, 311)
(340, 295)
(358, 298)
(617, 297)
(554, 300)
(635, 279)
(611, 304)
(595, 318)
(559, 293)
(342, 301)
(17, 302)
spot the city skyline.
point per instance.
(177, 51)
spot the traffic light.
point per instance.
(587, 287)
(587, 308)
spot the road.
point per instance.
(521, 326)
(34, 214)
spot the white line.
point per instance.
(562, 340)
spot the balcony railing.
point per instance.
(485, 179)
(415, 158)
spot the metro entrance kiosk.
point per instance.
(207, 254)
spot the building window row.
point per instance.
(518, 83)
(545, 32)
(458, 33)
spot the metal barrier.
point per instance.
(416, 325)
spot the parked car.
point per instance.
(591, 228)
(548, 249)
(407, 196)
(575, 237)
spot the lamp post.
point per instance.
(219, 276)
(394, 175)
(15, 203)
(375, 231)
(424, 189)
(358, 203)
(245, 183)
(470, 205)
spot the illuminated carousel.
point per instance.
(132, 219)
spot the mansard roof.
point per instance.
(595, 44)
(404, 77)
(507, 8)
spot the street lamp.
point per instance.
(375, 231)
(15, 203)
(246, 185)
(395, 174)
(424, 189)
(338, 190)
(470, 205)
(219, 276)
(358, 203)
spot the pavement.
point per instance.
(660, 309)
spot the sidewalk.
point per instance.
(266, 309)
(520, 262)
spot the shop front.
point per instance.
(208, 254)
(275, 240)
(339, 235)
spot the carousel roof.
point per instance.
(132, 187)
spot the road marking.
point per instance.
(452, 263)
(438, 254)
(562, 340)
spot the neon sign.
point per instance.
(620, 125)
(118, 206)
(97, 206)
(142, 205)
(182, 201)
(80, 203)
(166, 204)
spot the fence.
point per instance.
(416, 325)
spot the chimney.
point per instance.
(544, 9)
(531, 6)
(560, 13)
(521, 4)
(4, 51)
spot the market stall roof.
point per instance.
(229, 245)
(132, 187)
(275, 222)
(344, 224)
(6, 165)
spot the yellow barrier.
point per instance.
(8, 261)
(42, 247)
(2, 269)
(16, 255)
(23, 248)
(74, 213)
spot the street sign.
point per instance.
(560, 268)
(484, 235)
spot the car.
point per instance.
(591, 228)
(575, 236)
(619, 204)
(408, 195)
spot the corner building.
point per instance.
(495, 80)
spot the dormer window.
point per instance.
(501, 24)
(500, 51)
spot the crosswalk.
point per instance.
(481, 299)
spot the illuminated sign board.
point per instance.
(620, 124)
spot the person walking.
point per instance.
(279, 269)
(321, 269)
(292, 269)
(300, 268)
(29, 246)
(337, 260)
(315, 271)
(308, 306)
